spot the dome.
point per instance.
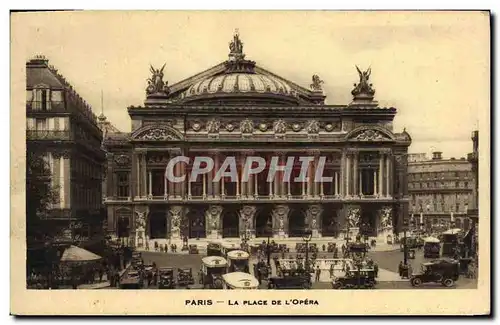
(242, 86)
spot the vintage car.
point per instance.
(227, 247)
(444, 271)
(239, 280)
(356, 279)
(432, 247)
(185, 276)
(238, 261)
(166, 278)
(214, 248)
(291, 279)
(212, 269)
(132, 280)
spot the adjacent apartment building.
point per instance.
(440, 190)
(61, 127)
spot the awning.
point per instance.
(77, 254)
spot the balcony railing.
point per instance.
(39, 106)
(47, 135)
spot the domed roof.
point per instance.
(239, 83)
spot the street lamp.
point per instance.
(405, 246)
(307, 236)
(269, 231)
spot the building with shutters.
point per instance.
(61, 127)
(440, 190)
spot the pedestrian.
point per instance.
(318, 273)
(400, 269)
(331, 270)
(375, 270)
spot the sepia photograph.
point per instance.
(186, 153)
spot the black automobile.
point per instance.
(444, 271)
(291, 280)
(185, 276)
(357, 279)
(166, 278)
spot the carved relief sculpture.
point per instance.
(280, 213)
(353, 217)
(140, 221)
(279, 128)
(213, 126)
(213, 217)
(122, 160)
(313, 127)
(386, 217)
(371, 135)
(313, 215)
(156, 85)
(175, 221)
(246, 126)
(157, 134)
(247, 213)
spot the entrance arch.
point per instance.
(158, 224)
(230, 223)
(262, 216)
(123, 223)
(196, 226)
(296, 222)
(329, 222)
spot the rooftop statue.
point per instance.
(363, 88)
(155, 83)
(316, 83)
(236, 47)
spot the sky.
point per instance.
(432, 66)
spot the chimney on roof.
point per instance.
(437, 155)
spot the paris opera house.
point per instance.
(238, 109)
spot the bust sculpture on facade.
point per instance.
(279, 128)
(156, 85)
(246, 126)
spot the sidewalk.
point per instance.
(103, 284)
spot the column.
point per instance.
(289, 184)
(303, 188)
(62, 182)
(271, 189)
(321, 193)
(67, 181)
(150, 187)
(361, 183)
(238, 183)
(381, 175)
(189, 186)
(240, 177)
(204, 180)
(134, 176)
(165, 187)
(223, 189)
(335, 184)
(216, 185)
(347, 175)
(355, 175)
(209, 183)
(388, 175)
(341, 182)
(375, 185)
(256, 188)
(282, 177)
(308, 183)
(316, 185)
(144, 175)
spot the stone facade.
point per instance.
(440, 189)
(238, 109)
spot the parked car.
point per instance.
(444, 271)
(291, 280)
(166, 278)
